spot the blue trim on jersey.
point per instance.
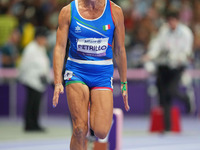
(91, 39)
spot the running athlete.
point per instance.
(94, 28)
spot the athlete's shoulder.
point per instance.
(65, 14)
(66, 9)
(117, 13)
(115, 8)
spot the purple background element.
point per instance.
(4, 99)
(21, 99)
(112, 139)
(139, 100)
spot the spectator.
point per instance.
(8, 23)
(171, 57)
(10, 50)
(34, 74)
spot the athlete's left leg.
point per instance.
(101, 112)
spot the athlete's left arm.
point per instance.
(119, 49)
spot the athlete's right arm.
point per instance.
(60, 51)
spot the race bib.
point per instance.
(92, 46)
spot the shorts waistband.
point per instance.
(90, 62)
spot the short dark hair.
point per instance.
(172, 14)
(41, 31)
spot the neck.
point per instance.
(93, 3)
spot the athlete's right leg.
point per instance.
(78, 100)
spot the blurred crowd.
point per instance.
(19, 20)
(143, 18)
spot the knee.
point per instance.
(80, 131)
(101, 133)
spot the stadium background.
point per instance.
(142, 21)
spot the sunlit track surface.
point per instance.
(135, 135)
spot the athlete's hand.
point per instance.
(59, 89)
(125, 97)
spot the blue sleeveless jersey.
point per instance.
(90, 52)
(91, 39)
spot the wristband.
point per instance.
(124, 86)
